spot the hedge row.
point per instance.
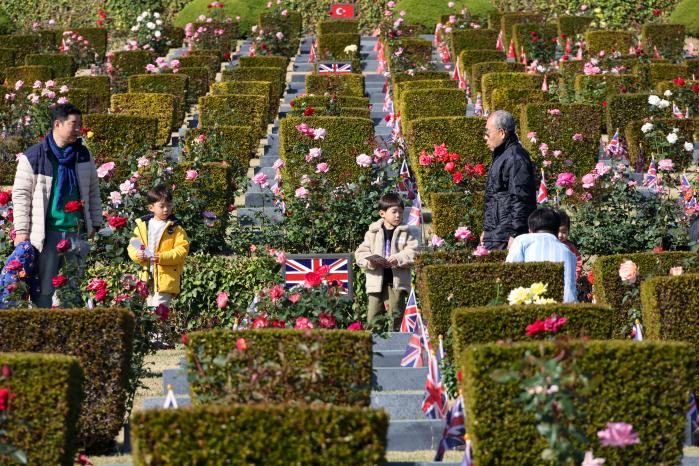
(425, 103)
(241, 435)
(508, 20)
(452, 210)
(63, 65)
(470, 57)
(644, 384)
(338, 84)
(94, 84)
(345, 360)
(478, 70)
(261, 88)
(469, 285)
(609, 41)
(338, 26)
(492, 81)
(173, 84)
(425, 84)
(28, 74)
(512, 100)
(264, 61)
(234, 110)
(624, 108)
(324, 101)
(636, 139)
(209, 61)
(290, 25)
(469, 39)
(44, 413)
(490, 324)
(346, 138)
(275, 76)
(333, 45)
(557, 131)
(397, 78)
(238, 142)
(573, 25)
(21, 44)
(608, 287)
(668, 39)
(650, 74)
(198, 82)
(105, 361)
(160, 106)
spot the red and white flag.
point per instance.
(312, 54)
(522, 56)
(342, 11)
(498, 44)
(656, 53)
(511, 50)
(569, 46)
(545, 84)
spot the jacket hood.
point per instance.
(172, 219)
(376, 226)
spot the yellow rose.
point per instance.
(90, 134)
(519, 296)
(538, 288)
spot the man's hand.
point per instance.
(392, 262)
(21, 237)
(509, 242)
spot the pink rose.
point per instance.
(260, 179)
(63, 245)
(322, 167)
(276, 292)
(105, 169)
(280, 257)
(294, 298)
(364, 160)
(464, 234)
(602, 169)
(578, 137)
(588, 180)
(240, 344)
(665, 165)
(355, 327)
(481, 251)
(326, 320)
(222, 300)
(436, 241)
(676, 271)
(565, 179)
(301, 192)
(191, 175)
(303, 323)
(260, 322)
(628, 271)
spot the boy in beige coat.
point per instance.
(387, 254)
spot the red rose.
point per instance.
(312, 279)
(4, 399)
(227, 56)
(293, 103)
(241, 344)
(73, 206)
(479, 170)
(101, 294)
(535, 328)
(604, 104)
(163, 311)
(656, 12)
(96, 284)
(63, 245)
(457, 177)
(117, 222)
(260, 322)
(278, 324)
(11, 287)
(327, 320)
(459, 376)
(695, 87)
(449, 166)
(678, 82)
(591, 277)
(309, 111)
(5, 197)
(185, 339)
(355, 327)
(58, 281)
(13, 265)
(323, 270)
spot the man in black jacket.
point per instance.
(510, 190)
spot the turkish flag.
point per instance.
(342, 11)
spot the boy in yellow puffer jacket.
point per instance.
(160, 245)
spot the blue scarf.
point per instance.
(67, 181)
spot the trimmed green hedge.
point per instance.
(416, 51)
(492, 81)
(198, 82)
(596, 41)
(508, 20)
(105, 361)
(261, 88)
(557, 131)
(214, 184)
(264, 61)
(346, 138)
(667, 38)
(160, 106)
(238, 143)
(521, 34)
(424, 84)
(96, 36)
(425, 103)
(478, 70)
(324, 100)
(125, 63)
(47, 388)
(290, 25)
(470, 57)
(398, 78)
(452, 210)
(608, 287)
(334, 44)
(340, 84)
(28, 74)
(117, 137)
(469, 285)
(479, 39)
(635, 137)
(494, 20)
(173, 84)
(96, 90)
(234, 110)
(461, 134)
(624, 108)
(210, 61)
(650, 74)
(644, 384)
(572, 25)
(7, 57)
(276, 76)
(63, 65)
(489, 324)
(240, 435)
(338, 26)
(512, 100)
(345, 361)
(22, 44)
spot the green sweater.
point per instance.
(56, 218)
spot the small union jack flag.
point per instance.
(692, 412)
(388, 103)
(676, 112)
(684, 182)
(454, 431)
(650, 179)
(434, 405)
(410, 314)
(613, 145)
(543, 193)
(404, 170)
(415, 216)
(413, 352)
(295, 270)
(334, 68)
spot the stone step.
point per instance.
(251, 215)
(258, 199)
(413, 435)
(177, 377)
(399, 378)
(393, 341)
(404, 404)
(388, 358)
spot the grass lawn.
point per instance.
(687, 13)
(428, 13)
(248, 10)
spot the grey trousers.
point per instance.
(50, 263)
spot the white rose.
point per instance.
(688, 146)
(664, 103)
(156, 14)
(150, 25)
(145, 13)
(139, 19)
(157, 34)
(653, 100)
(668, 93)
(159, 22)
(671, 138)
(134, 29)
(647, 127)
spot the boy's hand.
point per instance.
(392, 262)
(141, 255)
(155, 259)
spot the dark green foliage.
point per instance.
(63, 65)
(345, 361)
(234, 110)
(508, 20)
(635, 139)
(667, 38)
(7, 57)
(290, 25)
(687, 12)
(470, 285)
(425, 103)
(470, 57)
(96, 36)
(261, 88)
(610, 290)
(96, 89)
(545, 47)
(494, 20)
(276, 76)
(173, 84)
(452, 210)
(198, 82)
(624, 108)
(489, 324)
(214, 184)
(572, 25)
(211, 61)
(644, 384)
(416, 52)
(240, 435)
(125, 63)
(609, 41)
(339, 84)
(398, 78)
(28, 74)
(512, 100)
(239, 143)
(44, 413)
(333, 45)
(558, 130)
(264, 61)
(346, 138)
(105, 361)
(478, 70)
(160, 106)
(492, 81)
(324, 100)
(651, 74)
(22, 44)
(337, 26)
(478, 39)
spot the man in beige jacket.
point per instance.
(56, 172)
(387, 254)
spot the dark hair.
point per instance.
(159, 193)
(565, 220)
(390, 200)
(63, 111)
(544, 219)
